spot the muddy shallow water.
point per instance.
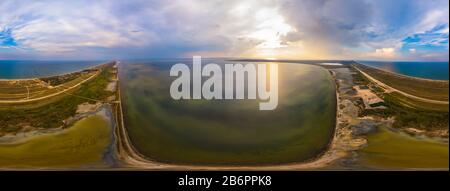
(387, 149)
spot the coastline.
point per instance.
(50, 76)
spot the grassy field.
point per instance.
(430, 89)
(82, 145)
(389, 150)
(415, 104)
(16, 90)
(13, 90)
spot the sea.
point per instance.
(19, 69)
(428, 70)
(22, 69)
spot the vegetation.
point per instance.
(405, 116)
(407, 111)
(58, 80)
(359, 79)
(378, 104)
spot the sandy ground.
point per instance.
(111, 86)
(87, 107)
(368, 97)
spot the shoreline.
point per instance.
(109, 156)
(51, 76)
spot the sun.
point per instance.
(271, 28)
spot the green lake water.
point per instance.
(82, 145)
(224, 132)
(392, 150)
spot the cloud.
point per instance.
(385, 52)
(57, 28)
(363, 28)
(301, 29)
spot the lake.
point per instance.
(395, 150)
(82, 145)
(430, 70)
(15, 69)
(224, 132)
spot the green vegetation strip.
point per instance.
(407, 116)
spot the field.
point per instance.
(21, 89)
(415, 104)
(429, 89)
(29, 90)
(81, 145)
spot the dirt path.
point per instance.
(391, 89)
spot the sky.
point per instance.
(409, 30)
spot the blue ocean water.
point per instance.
(429, 70)
(14, 69)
